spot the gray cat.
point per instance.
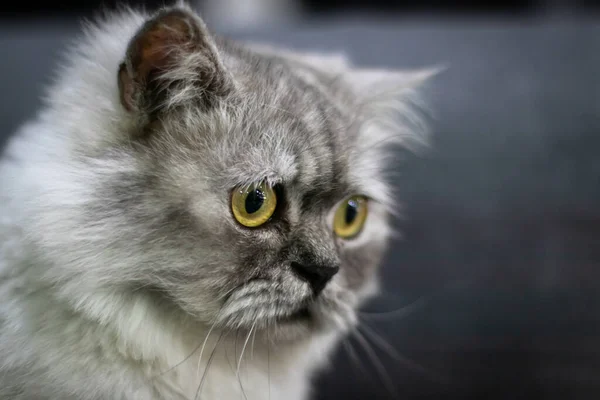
(190, 217)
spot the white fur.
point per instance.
(66, 338)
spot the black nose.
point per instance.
(317, 276)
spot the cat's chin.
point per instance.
(299, 328)
(295, 325)
(303, 315)
(290, 327)
(303, 323)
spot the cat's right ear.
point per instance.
(170, 62)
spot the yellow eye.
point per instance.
(253, 206)
(350, 217)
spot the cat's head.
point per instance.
(242, 185)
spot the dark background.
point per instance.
(24, 9)
(502, 227)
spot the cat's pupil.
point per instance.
(254, 201)
(351, 212)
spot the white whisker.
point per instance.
(402, 312)
(354, 356)
(269, 360)
(244, 348)
(189, 355)
(208, 364)
(204, 345)
(252, 345)
(379, 340)
(237, 373)
(389, 349)
(385, 377)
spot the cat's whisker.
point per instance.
(228, 359)
(237, 373)
(384, 345)
(235, 352)
(208, 364)
(376, 361)
(354, 356)
(204, 343)
(201, 344)
(420, 302)
(252, 345)
(379, 341)
(269, 359)
(399, 313)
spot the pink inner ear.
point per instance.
(171, 54)
(154, 50)
(126, 89)
(160, 42)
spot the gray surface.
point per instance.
(503, 219)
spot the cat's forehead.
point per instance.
(289, 135)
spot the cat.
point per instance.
(193, 217)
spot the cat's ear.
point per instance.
(375, 85)
(388, 104)
(172, 60)
(330, 63)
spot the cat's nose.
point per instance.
(317, 276)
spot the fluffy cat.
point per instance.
(192, 217)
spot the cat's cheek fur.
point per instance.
(118, 250)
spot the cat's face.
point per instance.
(248, 191)
(258, 217)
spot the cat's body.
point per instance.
(122, 272)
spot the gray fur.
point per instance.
(119, 251)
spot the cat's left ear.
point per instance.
(374, 86)
(172, 60)
(388, 103)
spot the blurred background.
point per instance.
(493, 293)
